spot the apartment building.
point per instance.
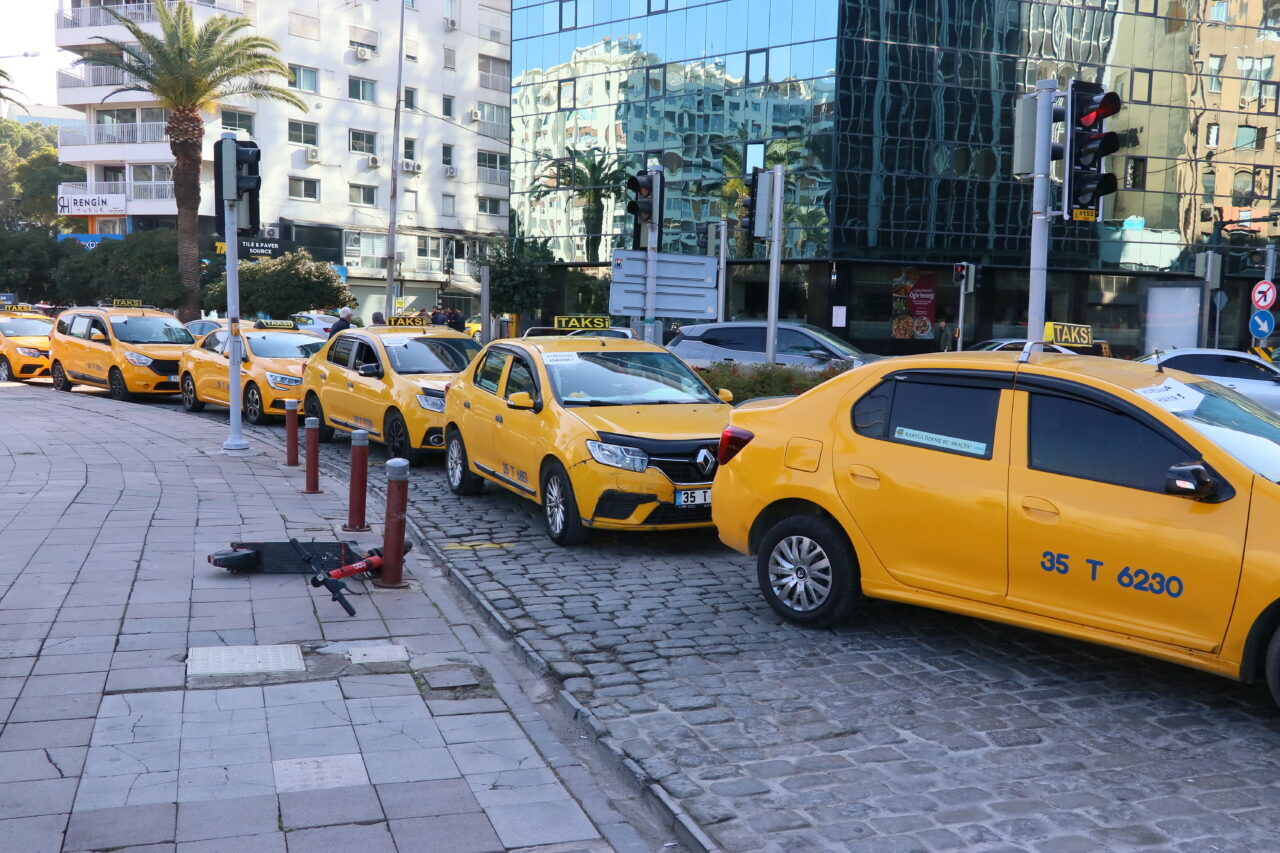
(327, 172)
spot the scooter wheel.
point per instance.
(236, 560)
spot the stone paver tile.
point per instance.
(427, 799)
(452, 707)
(410, 765)
(42, 834)
(284, 718)
(387, 709)
(64, 685)
(367, 686)
(168, 701)
(198, 821)
(148, 678)
(225, 783)
(403, 734)
(479, 727)
(46, 735)
(521, 794)
(79, 645)
(326, 807)
(240, 721)
(108, 828)
(31, 709)
(308, 743)
(496, 755)
(175, 641)
(226, 699)
(148, 756)
(31, 764)
(312, 774)
(60, 664)
(457, 833)
(370, 838)
(129, 789)
(529, 824)
(249, 748)
(274, 842)
(16, 667)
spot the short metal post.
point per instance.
(313, 457)
(291, 433)
(359, 482)
(393, 525)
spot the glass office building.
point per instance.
(895, 124)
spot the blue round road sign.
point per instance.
(1262, 324)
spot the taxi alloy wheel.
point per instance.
(806, 570)
(190, 402)
(399, 443)
(314, 410)
(115, 383)
(254, 409)
(6, 370)
(1272, 666)
(461, 480)
(560, 507)
(60, 380)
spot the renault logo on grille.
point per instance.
(706, 461)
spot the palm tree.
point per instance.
(591, 176)
(6, 89)
(190, 70)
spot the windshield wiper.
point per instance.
(596, 403)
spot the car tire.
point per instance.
(475, 336)
(1271, 666)
(116, 385)
(191, 402)
(807, 570)
(313, 409)
(255, 408)
(6, 370)
(60, 380)
(457, 468)
(396, 437)
(560, 507)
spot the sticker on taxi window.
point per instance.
(1172, 395)
(977, 448)
(560, 358)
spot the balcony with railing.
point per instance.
(493, 25)
(93, 75)
(494, 176)
(109, 134)
(497, 82)
(96, 15)
(495, 129)
(132, 190)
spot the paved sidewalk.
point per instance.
(107, 743)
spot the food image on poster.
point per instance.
(912, 304)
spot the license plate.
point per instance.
(173, 379)
(693, 497)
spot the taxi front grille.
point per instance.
(671, 514)
(164, 366)
(680, 470)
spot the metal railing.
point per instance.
(497, 82)
(107, 134)
(494, 26)
(494, 176)
(93, 75)
(98, 16)
(133, 190)
(495, 129)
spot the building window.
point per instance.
(367, 250)
(1135, 173)
(1219, 11)
(151, 173)
(1141, 93)
(410, 201)
(361, 194)
(447, 206)
(303, 79)
(363, 142)
(410, 50)
(495, 73)
(446, 155)
(657, 6)
(1211, 135)
(758, 66)
(1208, 183)
(494, 113)
(410, 149)
(359, 89)
(1248, 137)
(1253, 70)
(232, 120)
(410, 98)
(304, 132)
(446, 106)
(1146, 7)
(1242, 189)
(111, 226)
(566, 95)
(492, 160)
(568, 14)
(154, 115)
(362, 37)
(430, 258)
(306, 188)
(1268, 96)
(489, 206)
(1215, 72)
(450, 58)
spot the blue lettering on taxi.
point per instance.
(1141, 580)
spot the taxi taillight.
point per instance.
(732, 440)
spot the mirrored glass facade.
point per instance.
(895, 123)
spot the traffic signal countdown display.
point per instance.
(236, 177)
(1084, 181)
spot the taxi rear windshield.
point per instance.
(430, 355)
(25, 327)
(1238, 425)
(150, 330)
(284, 345)
(623, 379)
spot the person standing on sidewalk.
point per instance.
(344, 322)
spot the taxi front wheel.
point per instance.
(60, 380)
(806, 570)
(115, 384)
(190, 401)
(314, 410)
(254, 409)
(399, 442)
(461, 480)
(6, 370)
(560, 507)
(1272, 665)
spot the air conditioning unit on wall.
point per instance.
(412, 166)
(451, 171)
(374, 162)
(450, 23)
(474, 115)
(363, 54)
(312, 154)
(270, 232)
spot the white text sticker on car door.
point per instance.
(946, 442)
(1172, 395)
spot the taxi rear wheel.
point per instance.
(560, 507)
(314, 410)
(254, 409)
(399, 442)
(6, 370)
(461, 480)
(60, 380)
(190, 402)
(806, 570)
(115, 384)
(1272, 665)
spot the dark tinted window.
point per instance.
(1080, 439)
(365, 354)
(871, 413)
(792, 342)
(214, 342)
(520, 378)
(951, 418)
(490, 371)
(1223, 366)
(64, 325)
(748, 339)
(340, 352)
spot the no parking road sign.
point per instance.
(1264, 295)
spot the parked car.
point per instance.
(1255, 378)
(1102, 348)
(552, 331)
(801, 344)
(200, 328)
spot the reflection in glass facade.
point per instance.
(894, 121)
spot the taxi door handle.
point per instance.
(1040, 509)
(498, 418)
(323, 374)
(864, 476)
(351, 385)
(466, 404)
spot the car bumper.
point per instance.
(427, 429)
(613, 499)
(277, 397)
(26, 367)
(145, 380)
(734, 509)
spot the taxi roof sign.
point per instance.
(570, 322)
(275, 324)
(408, 320)
(125, 303)
(1069, 334)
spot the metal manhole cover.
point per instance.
(240, 660)
(379, 654)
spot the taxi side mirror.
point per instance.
(520, 400)
(97, 338)
(725, 395)
(372, 370)
(1189, 480)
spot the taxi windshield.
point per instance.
(25, 327)
(283, 344)
(430, 355)
(150, 330)
(623, 378)
(1238, 425)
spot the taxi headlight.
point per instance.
(280, 381)
(618, 456)
(136, 358)
(28, 352)
(431, 403)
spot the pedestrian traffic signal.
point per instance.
(236, 177)
(756, 221)
(1084, 181)
(645, 206)
(963, 276)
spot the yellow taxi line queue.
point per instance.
(1108, 501)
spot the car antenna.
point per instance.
(1159, 366)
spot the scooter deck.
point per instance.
(279, 558)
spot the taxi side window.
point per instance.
(520, 378)
(951, 418)
(97, 331)
(365, 354)
(214, 342)
(340, 352)
(1080, 439)
(80, 328)
(64, 325)
(490, 371)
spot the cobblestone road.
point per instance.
(903, 730)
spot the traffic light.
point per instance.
(236, 177)
(646, 205)
(758, 204)
(1084, 180)
(963, 276)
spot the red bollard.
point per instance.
(313, 457)
(393, 525)
(291, 433)
(359, 482)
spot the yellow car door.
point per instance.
(367, 396)
(211, 371)
(921, 461)
(482, 409)
(520, 434)
(72, 346)
(334, 375)
(1094, 539)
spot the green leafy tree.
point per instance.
(282, 286)
(37, 178)
(144, 265)
(592, 177)
(190, 70)
(18, 142)
(29, 261)
(7, 92)
(518, 278)
(80, 278)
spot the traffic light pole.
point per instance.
(1046, 93)
(235, 344)
(722, 274)
(651, 262)
(775, 266)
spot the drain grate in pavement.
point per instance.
(240, 660)
(387, 653)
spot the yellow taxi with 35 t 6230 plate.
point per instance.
(1093, 498)
(24, 343)
(275, 352)
(602, 432)
(388, 380)
(125, 347)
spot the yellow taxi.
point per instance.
(388, 380)
(1094, 498)
(602, 432)
(275, 352)
(126, 347)
(24, 343)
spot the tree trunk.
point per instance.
(186, 190)
(592, 222)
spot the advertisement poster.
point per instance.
(914, 303)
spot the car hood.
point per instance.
(38, 343)
(286, 366)
(671, 421)
(431, 381)
(173, 351)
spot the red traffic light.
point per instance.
(1098, 109)
(641, 184)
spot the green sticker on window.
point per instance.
(946, 442)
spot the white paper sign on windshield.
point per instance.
(560, 358)
(1173, 396)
